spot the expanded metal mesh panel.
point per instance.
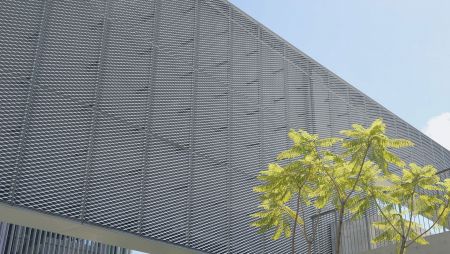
(166, 193)
(297, 85)
(20, 25)
(125, 71)
(115, 175)
(154, 117)
(211, 119)
(209, 211)
(69, 55)
(51, 175)
(172, 95)
(274, 123)
(243, 239)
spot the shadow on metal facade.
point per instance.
(154, 117)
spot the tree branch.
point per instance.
(359, 173)
(434, 223)
(384, 216)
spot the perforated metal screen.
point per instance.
(154, 116)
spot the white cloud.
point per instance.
(438, 128)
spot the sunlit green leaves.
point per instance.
(352, 180)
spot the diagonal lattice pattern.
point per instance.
(153, 117)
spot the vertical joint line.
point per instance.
(94, 114)
(260, 115)
(311, 122)
(349, 107)
(229, 124)
(150, 89)
(193, 111)
(29, 104)
(286, 94)
(330, 100)
(366, 117)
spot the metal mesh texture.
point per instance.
(154, 117)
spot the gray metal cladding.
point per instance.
(154, 117)
(20, 24)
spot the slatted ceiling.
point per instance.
(71, 49)
(210, 185)
(58, 140)
(20, 32)
(19, 239)
(166, 193)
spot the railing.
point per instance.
(357, 234)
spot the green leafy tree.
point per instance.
(367, 152)
(297, 180)
(320, 177)
(402, 199)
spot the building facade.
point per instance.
(154, 116)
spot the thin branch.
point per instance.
(411, 212)
(336, 186)
(359, 173)
(384, 216)
(295, 223)
(434, 223)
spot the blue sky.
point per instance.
(395, 51)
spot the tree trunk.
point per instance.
(402, 247)
(295, 224)
(309, 247)
(339, 230)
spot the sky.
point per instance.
(395, 51)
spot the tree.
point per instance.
(295, 180)
(366, 153)
(401, 199)
(321, 177)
